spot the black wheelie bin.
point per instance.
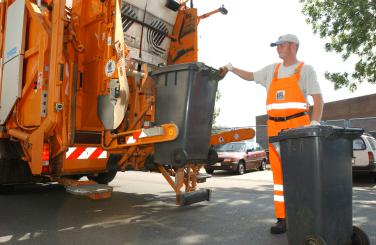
(317, 176)
(185, 95)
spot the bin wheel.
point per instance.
(359, 237)
(314, 240)
(179, 158)
(212, 157)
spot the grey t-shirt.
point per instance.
(308, 80)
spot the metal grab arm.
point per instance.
(221, 10)
(232, 136)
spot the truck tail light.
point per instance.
(46, 158)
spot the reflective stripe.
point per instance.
(131, 140)
(279, 198)
(82, 153)
(288, 105)
(278, 187)
(103, 155)
(277, 147)
(143, 135)
(70, 151)
(87, 153)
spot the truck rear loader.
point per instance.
(93, 87)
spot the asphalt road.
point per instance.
(142, 210)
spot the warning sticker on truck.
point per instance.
(110, 68)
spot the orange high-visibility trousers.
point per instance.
(284, 99)
(275, 161)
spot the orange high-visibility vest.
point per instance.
(284, 100)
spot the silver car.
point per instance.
(364, 151)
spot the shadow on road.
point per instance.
(48, 215)
(364, 180)
(224, 173)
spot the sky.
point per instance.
(243, 37)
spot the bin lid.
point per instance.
(194, 66)
(317, 131)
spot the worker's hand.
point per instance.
(223, 70)
(314, 123)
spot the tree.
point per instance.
(216, 108)
(350, 26)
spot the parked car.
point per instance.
(239, 157)
(364, 150)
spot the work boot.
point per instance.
(279, 227)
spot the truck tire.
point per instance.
(6, 189)
(209, 171)
(103, 178)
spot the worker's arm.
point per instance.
(246, 75)
(317, 108)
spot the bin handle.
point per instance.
(212, 73)
(344, 131)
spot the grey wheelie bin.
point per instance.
(185, 95)
(317, 175)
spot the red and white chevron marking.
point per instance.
(135, 136)
(145, 132)
(75, 153)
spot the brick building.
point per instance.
(354, 112)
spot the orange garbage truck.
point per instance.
(93, 87)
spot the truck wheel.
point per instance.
(359, 237)
(241, 168)
(75, 176)
(104, 178)
(7, 189)
(263, 165)
(209, 171)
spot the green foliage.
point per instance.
(350, 27)
(216, 108)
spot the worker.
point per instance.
(288, 85)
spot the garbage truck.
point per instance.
(90, 88)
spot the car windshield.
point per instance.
(372, 142)
(231, 147)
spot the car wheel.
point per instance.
(263, 165)
(209, 171)
(241, 168)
